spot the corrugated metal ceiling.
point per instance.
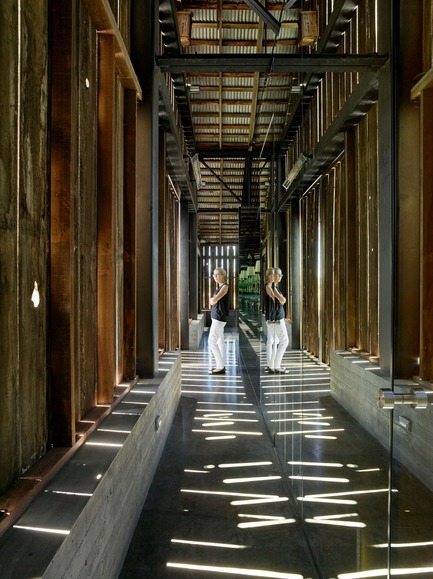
(236, 113)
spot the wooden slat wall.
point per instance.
(324, 268)
(211, 257)
(347, 205)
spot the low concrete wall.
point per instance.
(196, 329)
(354, 384)
(98, 541)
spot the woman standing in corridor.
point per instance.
(269, 311)
(220, 303)
(280, 330)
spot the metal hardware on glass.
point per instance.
(416, 397)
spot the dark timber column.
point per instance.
(184, 277)
(144, 37)
(106, 213)
(63, 174)
(410, 68)
(130, 234)
(194, 280)
(426, 322)
(387, 188)
(273, 249)
(296, 275)
(350, 238)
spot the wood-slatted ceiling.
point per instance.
(235, 113)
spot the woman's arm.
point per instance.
(222, 292)
(270, 291)
(279, 296)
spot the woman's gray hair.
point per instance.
(221, 271)
(269, 271)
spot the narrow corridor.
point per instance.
(270, 477)
(219, 503)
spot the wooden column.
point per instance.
(194, 280)
(350, 238)
(144, 45)
(387, 187)
(184, 277)
(63, 173)
(130, 234)
(426, 310)
(106, 214)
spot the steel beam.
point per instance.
(265, 15)
(249, 63)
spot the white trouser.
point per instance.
(278, 340)
(216, 343)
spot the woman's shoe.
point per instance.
(269, 370)
(281, 371)
(217, 371)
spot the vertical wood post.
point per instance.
(63, 152)
(350, 238)
(130, 234)
(426, 311)
(144, 44)
(106, 214)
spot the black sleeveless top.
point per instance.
(269, 307)
(220, 311)
(279, 313)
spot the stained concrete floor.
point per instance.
(261, 477)
(240, 491)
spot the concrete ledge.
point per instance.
(81, 523)
(196, 329)
(354, 384)
(98, 541)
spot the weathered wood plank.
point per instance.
(104, 21)
(106, 220)
(63, 121)
(426, 310)
(129, 233)
(351, 262)
(85, 312)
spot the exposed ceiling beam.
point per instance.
(231, 153)
(220, 180)
(178, 63)
(264, 15)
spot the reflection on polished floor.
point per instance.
(266, 476)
